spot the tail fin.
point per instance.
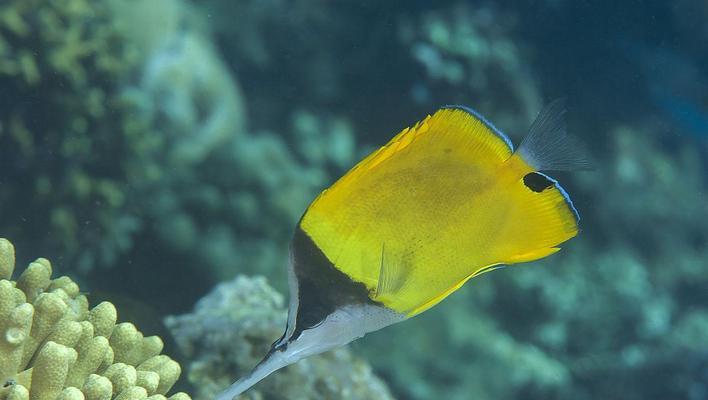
(542, 219)
(543, 216)
(547, 146)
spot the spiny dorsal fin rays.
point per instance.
(398, 143)
(453, 128)
(547, 146)
(479, 118)
(459, 121)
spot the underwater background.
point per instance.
(160, 152)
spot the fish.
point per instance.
(444, 201)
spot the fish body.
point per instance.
(444, 201)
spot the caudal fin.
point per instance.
(547, 146)
(543, 215)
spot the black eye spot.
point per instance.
(537, 182)
(447, 151)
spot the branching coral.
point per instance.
(62, 68)
(52, 346)
(108, 112)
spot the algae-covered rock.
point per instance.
(53, 346)
(232, 328)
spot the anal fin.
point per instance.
(449, 291)
(533, 255)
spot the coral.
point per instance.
(475, 53)
(62, 67)
(52, 346)
(192, 153)
(232, 328)
(234, 212)
(118, 109)
(637, 167)
(265, 43)
(195, 102)
(144, 140)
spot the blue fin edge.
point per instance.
(565, 195)
(485, 121)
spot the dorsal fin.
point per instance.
(452, 126)
(484, 121)
(547, 146)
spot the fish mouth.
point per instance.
(280, 346)
(288, 337)
(272, 362)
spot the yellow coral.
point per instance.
(53, 347)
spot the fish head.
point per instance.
(342, 326)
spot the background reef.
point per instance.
(154, 149)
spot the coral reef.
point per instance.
(472, 54)
(234, 212)
(63, 66)
(450, 53)
(144, 135)
(233, 327)
(191, 97)
(189, 148)
(114, 110)
(54, 347)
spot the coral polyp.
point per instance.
(53, 346)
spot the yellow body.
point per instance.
(440, 203)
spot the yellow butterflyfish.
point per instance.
(444, 201)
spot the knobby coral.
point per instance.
(52, 346)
